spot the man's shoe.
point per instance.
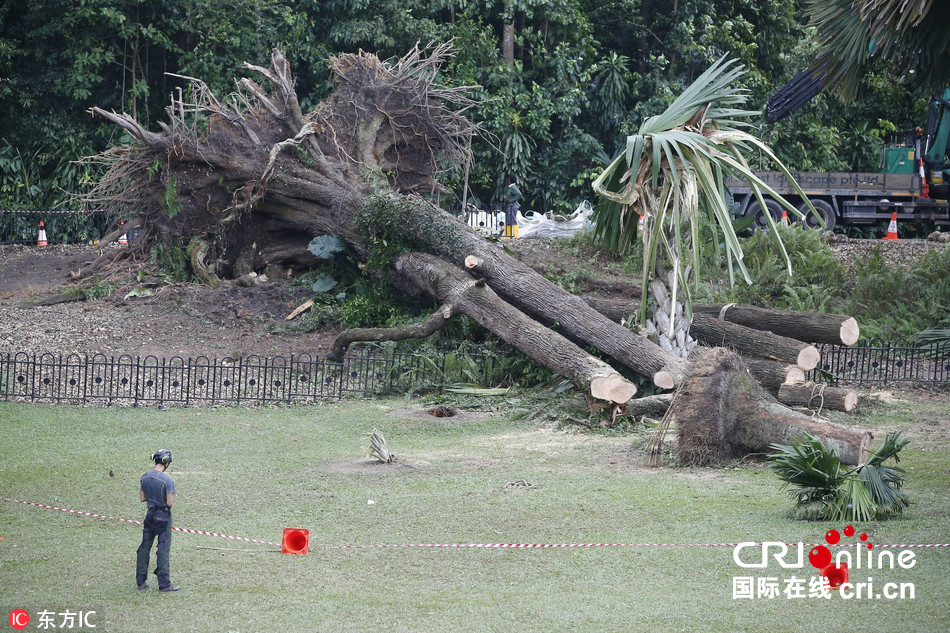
(144, 585)
(170, 588)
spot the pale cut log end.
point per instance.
(865, 447)
(612, 388)
(472, 262)
(850, 332)
(664, 379)
(850, 400)
(808, 358)
(795, 375)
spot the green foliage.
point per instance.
(823, 489)
(896, 300)
(886, 299)
(170, 200)
(174, 260)
(817, 272)
(98, 289)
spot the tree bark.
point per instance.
(818, 396)
(518, 283)
(772, 374)
(650, 405)
(756, 343)
(835, 329)
(434, 323)
(451, 285)
(721, 413)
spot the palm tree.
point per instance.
(913, 35)
(670, 174)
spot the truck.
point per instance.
(910, 183)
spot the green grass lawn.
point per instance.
(253, 472)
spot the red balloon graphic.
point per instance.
(849, 531)
(819, 557)
(832, 537)
(864, 537)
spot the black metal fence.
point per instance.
(299, 379)
(148, 380)
(62, 227)
(879, 362)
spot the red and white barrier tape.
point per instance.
(450, 545)
(104, 516)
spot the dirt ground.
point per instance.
(191, 320)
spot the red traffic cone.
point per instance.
(892, 228)
(124, 239)
(295, 541)
(836, 574)
(784, 219)
(41, 236)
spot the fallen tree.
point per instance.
(248, 181)
(721, 413)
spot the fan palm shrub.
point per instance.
(823, 489)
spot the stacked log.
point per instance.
(817, 396)
(812, 327)
(752, 342)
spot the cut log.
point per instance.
(811, 327)
(649, 405)
(818, 396)
(714, 332)
(451, 285)
(722, 413)
(613, 310)
(771, 374)
(551, 303)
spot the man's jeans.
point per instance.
(158, 523)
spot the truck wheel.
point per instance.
(761, 222)
(824, 209)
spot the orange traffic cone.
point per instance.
(784, 218)
(892, 228)
(296, 541)
(124, 239)
(41, 236)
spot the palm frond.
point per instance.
(823, 489)
(379, 449)
(853, 502)
(807, 464)
(911, 35)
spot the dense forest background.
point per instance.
(561, 81)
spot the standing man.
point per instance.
(512, 198)
(158, 491)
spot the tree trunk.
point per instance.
(508, 35)
(756, 343)
(818, 396)
(454, 287)
(772, 374)
(835, 329)
(721, 413)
